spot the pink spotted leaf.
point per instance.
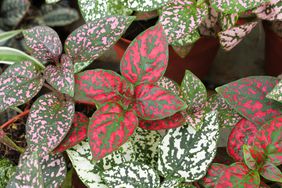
(48, 123)
(101, 86)
(233, 36)
(61, 77)
(146, 58)
(194, 119)
(271, 172)
(43, 43)
(228, 21)
(173, 121)
(213, 174)
(271, 10)
(76, 134)
(109, 128)
(90, 40)
(153, 102)
(247, 97)
(18, 84)
(253, 157)
(35, 171)
(238, 175)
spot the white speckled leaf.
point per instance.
(18, 84)
(146, 5)
(276, 93)
(233, 36)
(228, 21)
(34, 171)
(80, 156)
(181, 17)
(131, 175)
(169, 84)
(193, 91)
(48, 122)
(187, 153)
(194, 119)
(61, 77)
(145, 144)
(271, 10)
(172, 183)
(187, 39)
(93, 9)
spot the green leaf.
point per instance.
(18, 84)
(228, 21)
(271, 172)
(7, 170)
(9, 34)
(145, 144)
(60, 16)
(276, 93)
(92, 10)
(146, 5)
(51, 1)
(187, 39)
(48, 122)
(169, 84)
(80, 156)
(15, 56)
(253, 157)
(187, 153)
(34, 171)
(131, 175)
(172, 183)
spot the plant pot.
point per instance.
(273, 55)
(199, 59)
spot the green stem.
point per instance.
(9, 142)
(17, 109)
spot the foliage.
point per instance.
(7, 169)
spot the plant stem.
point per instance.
(4, 139)
(49, 87)
(15, 118)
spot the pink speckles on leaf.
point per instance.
(43, 43)
(146, 58)
(48, 123)
(90, 40)
(18, 84)
(271, 10)
(61, 77)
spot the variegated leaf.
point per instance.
(187, 41)
(169, 84)
(170, 122)
(172, 183)
(48, 123)
(181, 17)
(233, 36)
(271, 10)
(34, 171)
(253, 157)
(4, 36)
(146, 5)
(13, 11)
(187, 153)
(243, 133)
(90, 40)
(146, 58)
(235, 6)
(247, 97)
(43, 43)
(80, 156)
(227, 21)
(193, 91)
(101, 86)
(269, 138)
(92, 10)
(131, 175)
(276, 92)
(238, 175)
(145, 145)
(183, 50)
(51, 1)
(76, 134)
(60, 16)
(213, 174)
(211, 19)
(109, 128)
(18, 84)
(153, 102)
(61, 77)
(194, 119)
(271, 172)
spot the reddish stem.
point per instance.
(15, 118)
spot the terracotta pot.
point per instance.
(199, 59)
(273, 55)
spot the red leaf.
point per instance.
(213, 174)
(109, 128)
(153, 102)
(247, 96)
(269, 138)
(238, 175)
(253, 157)
(76, 134)
(101, 86)
(243, 133)
(271, 172)
(145, 60)
(174, 121)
